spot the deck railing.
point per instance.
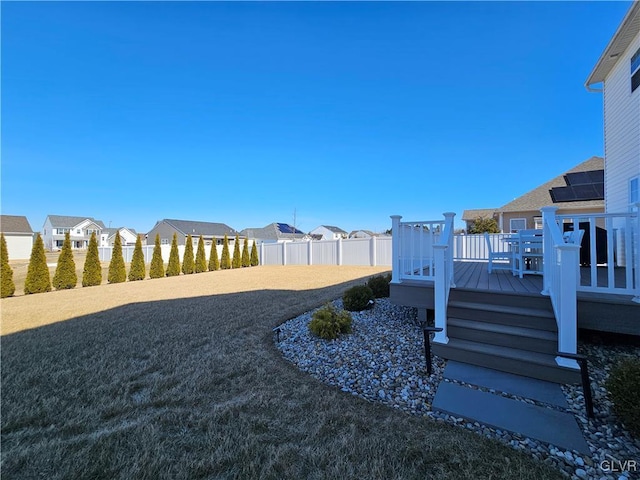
(423, 250)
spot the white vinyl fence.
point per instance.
(374, 251)
(147, 251)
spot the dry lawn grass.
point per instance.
(179, 378)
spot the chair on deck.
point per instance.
(528, 254)
(493, 255)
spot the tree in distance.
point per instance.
(137, 270)
(481, 225)
(201, 257)
(92, 272)
(237, 260)
(225, 260)
(246, 260)
(65, 276)
(188, 265)
(214, 263)
(8, 287)
(173, 269)
(255, 261)
(117, 271)
(38, 279)
(156, 269)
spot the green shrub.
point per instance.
(214, 263)
(328, 323)
(246, 261)
(201, 258)
(623, 385)
(8, 287)
(482, 225)
(92, 271)
(156, 269)
(65, 276)
(379, 285)
(358, 298)
(188, 265)
(255, 261)
(237, 259)
(225, 259)
(137, 270)
(173, 268)
(38, 279)
(117, 270)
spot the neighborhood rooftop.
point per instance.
(14, 224)
(63, 221)
(189, 227)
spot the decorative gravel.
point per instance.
(382, 360)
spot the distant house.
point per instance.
(210, 231)
(471, 216)
(580, 189)
(329, 232)
(79, 228)
(127, 236)
(18, 235)
(274, 232)
(363, 234)
(618, 70)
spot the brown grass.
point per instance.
(179, 378)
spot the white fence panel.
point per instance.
(272, 254)
(383, 251)
(147, 250)
(325, 252)
(297, 253)
(474, 247)
(356, 251)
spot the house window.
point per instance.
(635, 70)
(634, 194)
(538, 223)
(164, 241)
(516, 224)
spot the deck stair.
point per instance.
(511, 333)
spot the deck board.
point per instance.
(475, 276)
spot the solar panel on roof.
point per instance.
(562, 194)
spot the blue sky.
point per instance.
(243, 113)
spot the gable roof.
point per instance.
(333, 229)
(474, 214)
(541, 197)
(627, 31)
(14, 224)
(210, 229)
(113, 231)
(63, 221)
(274, 231)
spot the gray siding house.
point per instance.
(210, 232)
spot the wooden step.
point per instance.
(530, 339)
(523, 300)
(507, 359)
(503, 314)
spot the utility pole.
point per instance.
(294, 220)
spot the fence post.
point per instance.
(374, 252)
(548, 216)
(567, 317)
(448, 231)
(284, 253)
(261, 253)
(395, 248)
(339, 247)
(440, 294)
(310, 252)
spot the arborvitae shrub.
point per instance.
(328, 323)
(8, 287)
(623, 385)
(173, 268)
(214, 263)
(201, 258)
(38, 279)
(92, 272)
(188, 265)
(379, 285)
(225, 260)
(117, 270)
(137, 269)
(237, 259)
(156, 270)
(246, 261)
(254, 255)
(358, 298)
(65, 276)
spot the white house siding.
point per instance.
(621, 132)
(19, 246)
(47, 234)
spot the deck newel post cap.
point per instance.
(449, 214)
(549, 209)
(393, 217)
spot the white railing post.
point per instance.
(548, 216)
(440, 294)
(566, 314)
(636, 253)
(395, 248)
(448, 235)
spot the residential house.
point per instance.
(580, 189)
(79, 229)
(128, 236)
(210, 231)
(471, 216)
(329, 232)
(274, 232)
(362, 234)
(618, 72)
(18, 235)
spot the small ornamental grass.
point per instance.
(358, 298)
(328, 323)
(379, 285)
(623, 385)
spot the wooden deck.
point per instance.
(475, 276)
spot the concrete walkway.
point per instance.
(549, 425)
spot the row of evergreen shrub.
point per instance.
(38, 279)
